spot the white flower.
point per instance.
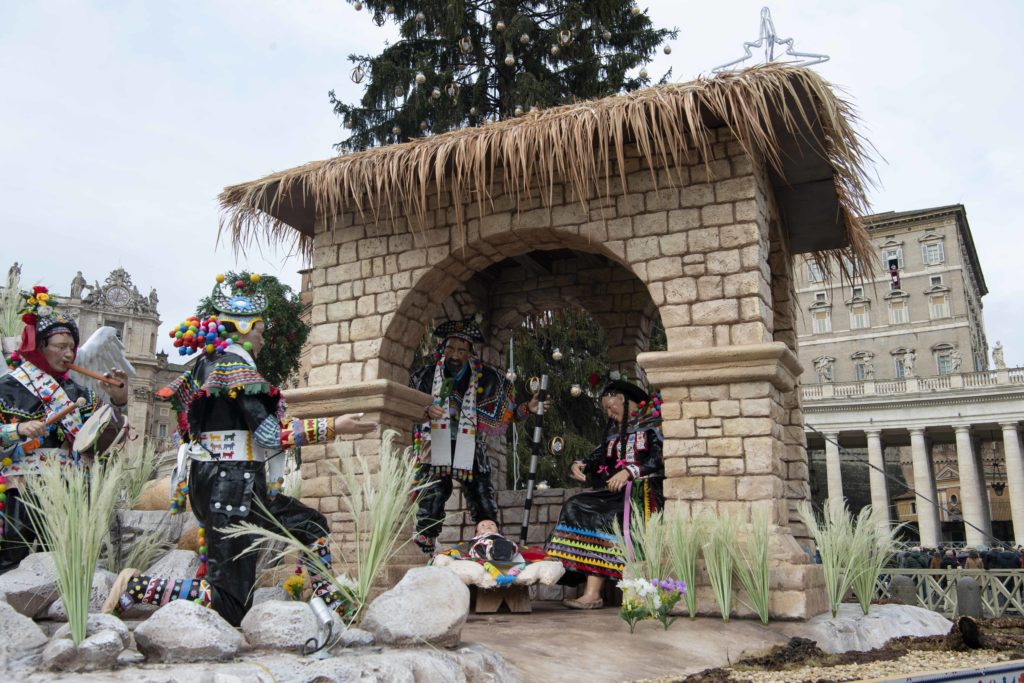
(345, 582)
(543, 486)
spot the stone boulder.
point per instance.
(429, 605)
(21, 641)
(262, 595)
(182, 631)
(158, 524)
(283, 625)
(32, 587)
(853, 630)
(106, 638)
(177, 564)
(102, 582)
(356, 637)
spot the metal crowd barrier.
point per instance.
(1002, 590)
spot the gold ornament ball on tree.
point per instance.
(643, 73)
(510, 60)
(555, 50)
(500, 27)
(634, 10)
(668, 49)
(575, 390)
(518, 111)
(421, 17)
(435, 93)
(607, 35)
(472, 111)
(397, 130)
(524, 39)
(358, 6)
(420, 78)
(423, 125)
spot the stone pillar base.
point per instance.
(389, 404)
(734, 445)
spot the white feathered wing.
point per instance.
(101, 352)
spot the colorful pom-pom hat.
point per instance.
(243, 306)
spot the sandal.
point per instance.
(576, 603)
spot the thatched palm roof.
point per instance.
(789, 116)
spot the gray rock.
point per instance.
(356, 637)
(283, 625)
(130, 658)
(166, 527)
(429, 605)
(102, 581)
(177, 564)
(853, 630)
(968, 597)
(903, 590)
(182, 631)
(96, 623)
(32, 587)
(261, 595)
(106, 637)
(21, 640)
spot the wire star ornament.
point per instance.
(767, 42)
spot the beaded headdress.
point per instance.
(42, 321)
(242, 306)
(468, 329)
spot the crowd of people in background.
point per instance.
(1003, 557)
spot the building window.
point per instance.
(891, 256)
(938, 305)
(858, 293)
(860, 370)
(819, 297)
(822, 321)
(913, 508)
(936, 280)
(164, 412)
(933, 253)
(859, 319)
(898, 313)
(161, 431)
(944, 363)
(815, 273)
(901, 370)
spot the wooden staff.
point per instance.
(64, 412)
(97, 376)
(536, 446)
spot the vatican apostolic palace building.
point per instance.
(903, 408)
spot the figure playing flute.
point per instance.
(38, 389)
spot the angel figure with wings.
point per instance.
(43, 408)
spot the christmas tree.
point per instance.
(462, 63)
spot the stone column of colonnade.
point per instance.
(1014, 477)
(973, 497)
(924, 485)
(876, 478)
(833, 467)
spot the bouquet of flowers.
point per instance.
(650, 599)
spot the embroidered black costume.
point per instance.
(234, 435)
(583, 540)
(477, 401)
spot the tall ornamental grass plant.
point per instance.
(834, 535)
(382, 508)
(751, 561)
(719, 558)
(873, 546)
(71, 509)
(685, 536)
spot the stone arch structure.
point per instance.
(707, 214)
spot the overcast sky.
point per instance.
(121, 121)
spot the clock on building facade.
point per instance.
(117, 296)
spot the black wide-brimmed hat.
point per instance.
(628, 389)
(467, 329)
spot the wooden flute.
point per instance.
(97, 376)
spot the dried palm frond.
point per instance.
(583, 145)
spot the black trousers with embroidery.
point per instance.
(19, 533)
(480, 495)
(223, 494)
